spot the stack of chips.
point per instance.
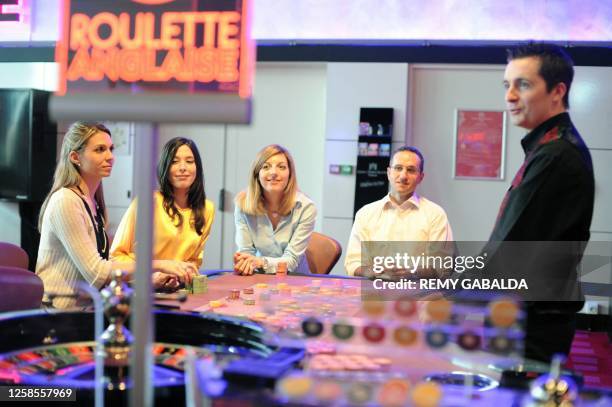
(281, 269)
(234, 294)
(200, 285)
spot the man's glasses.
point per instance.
(409, 170)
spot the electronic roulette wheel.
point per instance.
(57, 349)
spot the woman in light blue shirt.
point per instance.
(274, 220)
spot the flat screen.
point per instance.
(15, 129)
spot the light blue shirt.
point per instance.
(287, 243)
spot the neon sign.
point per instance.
(145, 43)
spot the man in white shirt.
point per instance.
(402, 215)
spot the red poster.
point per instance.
(479, 144)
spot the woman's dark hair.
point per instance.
(196, 197)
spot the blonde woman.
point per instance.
(74, 246)
(274, 220)
(183, 216)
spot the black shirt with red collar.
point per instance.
(550, 200)
(551, 196)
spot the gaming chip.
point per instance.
(261, 286)
(327, 391)
(343, 331)
(436, 339)
(359, 393)
(312, 327)
(199, 285)
(374, 332)
(405, 307)
(426, 394)
(234, 294)
(503, 313)
(394, 392)
(468, 340)
(295, 387)
(248, 290)
(382, 362)
(501, 344)
(405, 336)
(281, 268)
(215, 304)
(373, 307)
(248, 301)
(439, 310)
(259, 317)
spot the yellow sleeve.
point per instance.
(123, 249)
(209, 216)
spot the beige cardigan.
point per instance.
(68, 253)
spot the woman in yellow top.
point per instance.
(182, 214)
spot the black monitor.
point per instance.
(28, 141)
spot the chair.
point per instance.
(322, 253)
(21, 289)
(13, 256)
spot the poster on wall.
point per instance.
(480, 144)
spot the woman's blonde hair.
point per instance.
(67, 173)
(252, 201)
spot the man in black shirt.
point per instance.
(550, 201)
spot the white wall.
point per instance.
(351, 86)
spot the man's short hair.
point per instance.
(556, 66)
(412, 150)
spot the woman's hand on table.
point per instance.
(164, 281)
(245, 264)
(182, 270)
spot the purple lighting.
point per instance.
(14, 20)
(434, 20)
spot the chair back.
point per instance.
(13, 256)
(322, 253)
(21, 289)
